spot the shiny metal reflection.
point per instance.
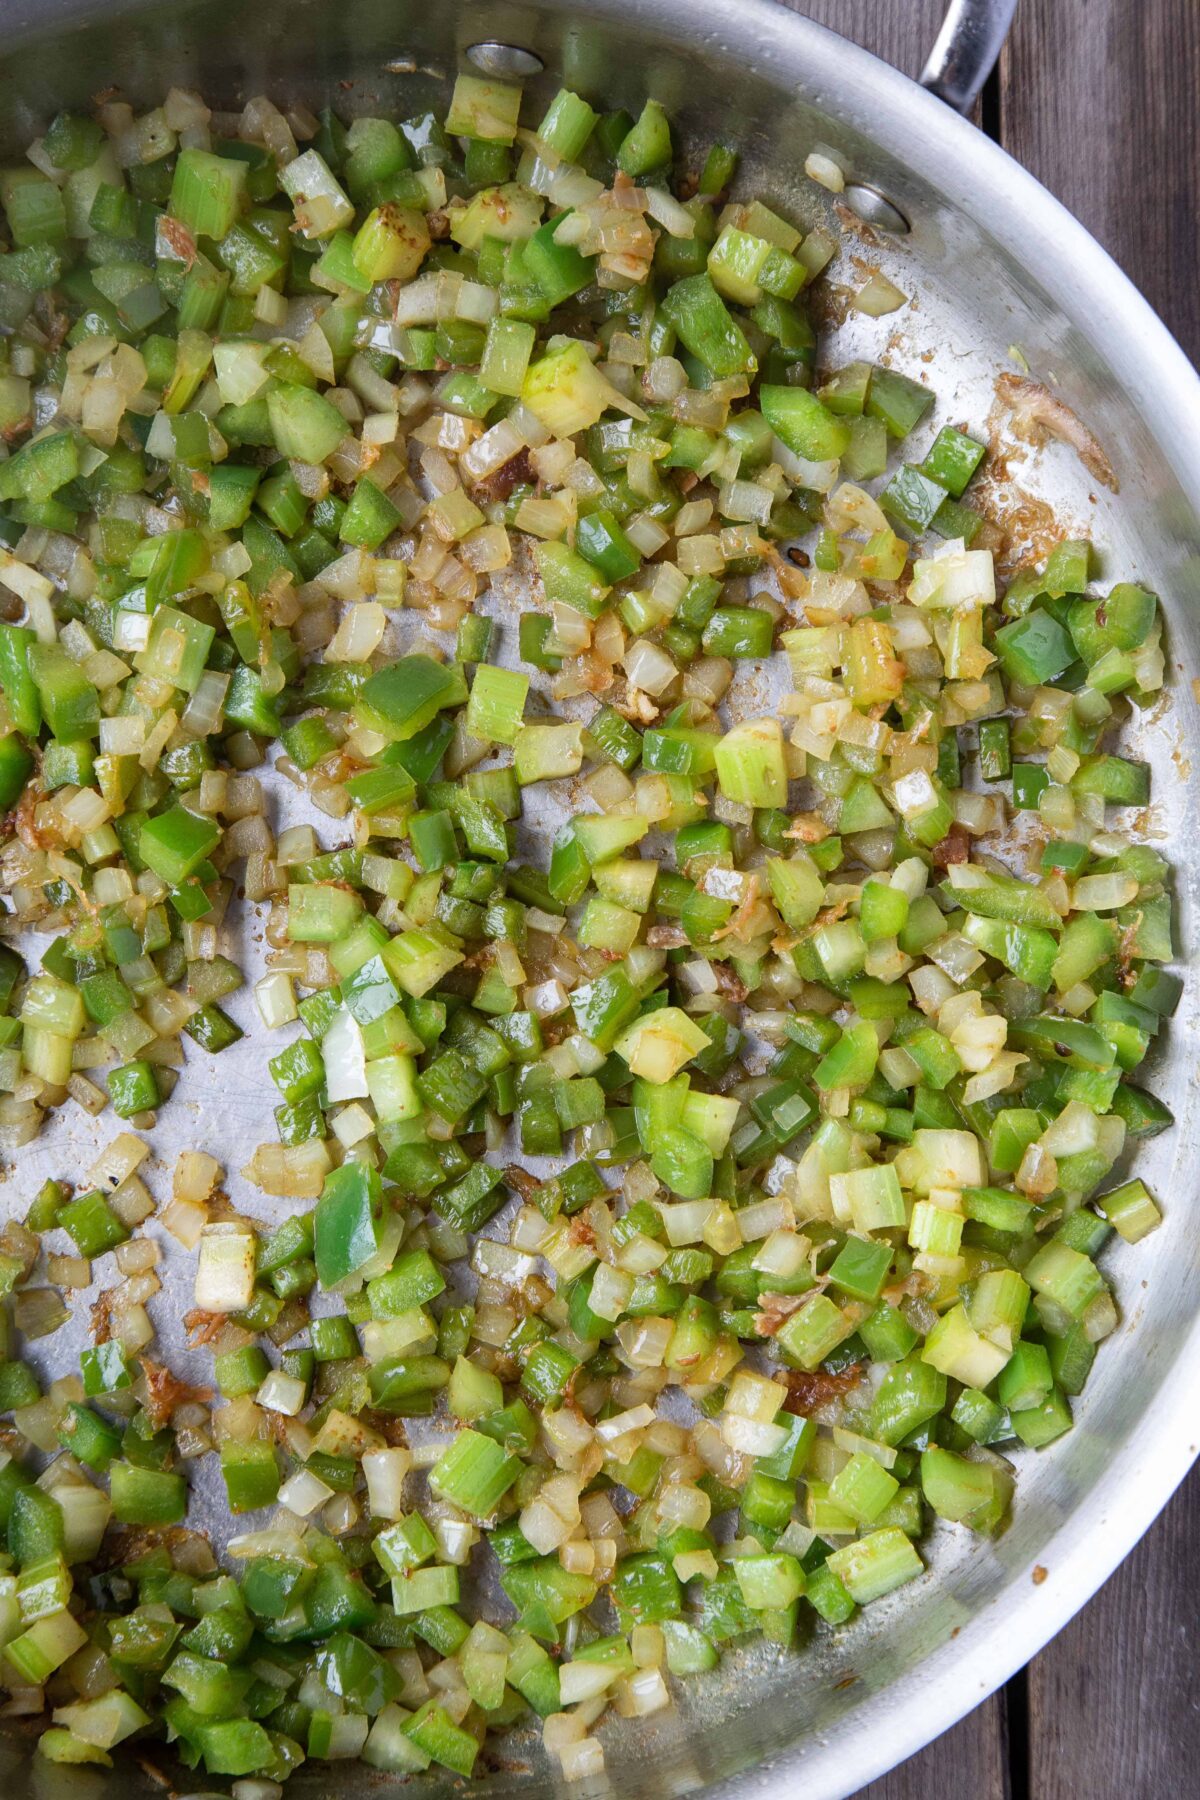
(874, 208)
(504, 59)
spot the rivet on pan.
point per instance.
(874, 208)
(504, 59)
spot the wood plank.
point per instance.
(1098, 100)
(1113, 1700)
(968, 1762)
(901, 34)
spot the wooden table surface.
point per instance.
(1097, 98)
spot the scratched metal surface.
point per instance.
(838, 1714)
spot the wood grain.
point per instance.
(900, 31)
(1114, 1706)
(1098, 100)
(968, 1762)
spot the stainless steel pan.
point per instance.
(992, 262)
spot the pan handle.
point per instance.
(966, 50)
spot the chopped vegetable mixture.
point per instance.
(675, 1218)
